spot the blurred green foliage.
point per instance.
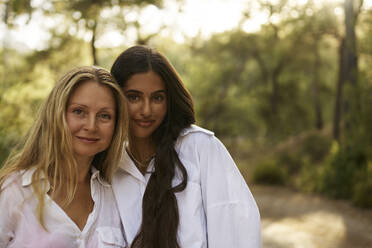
(269, 94)
(271, 173)
(299, 159)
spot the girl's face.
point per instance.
(91, 117)
(147, 103)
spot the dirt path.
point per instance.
(295, 220)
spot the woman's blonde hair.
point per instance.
(48, 145)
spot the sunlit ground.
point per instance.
(295, 220)
(319, 229)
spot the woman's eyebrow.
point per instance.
(85, 106)
(107, 109)
(78, 104)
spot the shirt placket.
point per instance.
(84, 235)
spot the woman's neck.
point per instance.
(84, 177)
(84, 166)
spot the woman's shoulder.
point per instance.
(19, 181)
(12, 180)
(11, 188)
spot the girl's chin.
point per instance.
(142, 133)
(141, 137)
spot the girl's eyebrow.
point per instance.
(140, 92)
(159, 91)
(133, 91)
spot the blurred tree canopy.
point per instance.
(305, 72)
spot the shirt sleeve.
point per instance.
(9, 196)
(232, 216)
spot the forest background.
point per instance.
(291, 98)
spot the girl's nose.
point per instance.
(146, 108)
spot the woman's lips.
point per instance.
(87, 140)
(144, 123)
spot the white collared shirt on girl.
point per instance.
(216, 210)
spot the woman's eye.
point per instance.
(105, 116)
(77, 111)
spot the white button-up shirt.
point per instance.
(20, 228)
(216, 209)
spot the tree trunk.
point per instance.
(92, 45)
(351, 57)
(348, 76)
(341, 78)
(315, 89)
(351, 102)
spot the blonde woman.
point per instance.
(55, 191)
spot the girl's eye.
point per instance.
(132, 97)
(158, 98)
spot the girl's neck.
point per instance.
(141, 152)
(142, 148)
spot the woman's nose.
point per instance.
(90, 123)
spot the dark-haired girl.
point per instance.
(177, 185)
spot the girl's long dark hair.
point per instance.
(160, 217)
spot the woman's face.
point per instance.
(147, 103)
(91, 117)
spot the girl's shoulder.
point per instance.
(195, 136)
(194, 131)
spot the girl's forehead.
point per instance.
(148, 81)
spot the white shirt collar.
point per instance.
(128, 166)
(96, 175)
(27, 177)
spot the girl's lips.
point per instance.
(87, 140)
(144, 123)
